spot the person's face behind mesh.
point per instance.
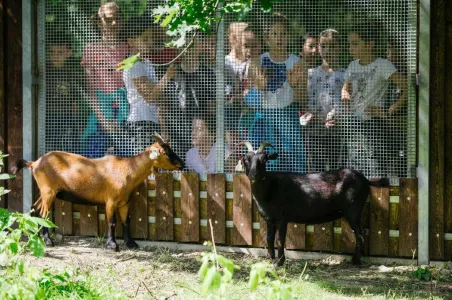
(59, 54)
(278, 38)
(250, 45)
(209, 47)
(200, 135)
(329, 48)
(359, 49)
(309, 51)
(143, 43)
(110, 20)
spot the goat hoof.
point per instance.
(112, 246)
(279, 262)
(356, 261)
(48, 242)
(131, 244)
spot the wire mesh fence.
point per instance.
(329, 83)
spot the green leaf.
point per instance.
(212, 280)
(6, 176)
(43, 222)
(254, 280)
(37, 246)
(14, 247)
(203, 270)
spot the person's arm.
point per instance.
(346, 92)
(402, 84)
(150, 91)
(300, 85)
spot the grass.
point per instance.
(160, 273)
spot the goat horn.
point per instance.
(158, 138)
(247, 144)
(263, 145)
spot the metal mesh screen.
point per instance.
(329, 83)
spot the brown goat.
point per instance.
(107, 181)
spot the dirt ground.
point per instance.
(159, 273)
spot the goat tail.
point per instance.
(20, 164)
(382, 182)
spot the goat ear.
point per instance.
(272, 156)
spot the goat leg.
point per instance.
(111, 241)
(271, 231)
(282, 231)
(128, 241)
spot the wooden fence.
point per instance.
(178, 208)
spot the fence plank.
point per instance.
(63, 217)
(393, 225)
(448, 134)
(190, 207)
(138, 212)
(242, 233)
(216, 206)
(348, 240)
(437, 136)
(12, 37)
(295, 238)
(323, 237)
(88, 220)
(379, 221)
(408, 224)
(101, 220)
(164, 216)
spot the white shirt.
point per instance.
(324, 90)
(204, 166)
(139, 109)
(369, 84)
(278, 93)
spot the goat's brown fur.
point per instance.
(108, 180)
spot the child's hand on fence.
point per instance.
(171, 72)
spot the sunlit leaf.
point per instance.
(43, 222)
(37, 246)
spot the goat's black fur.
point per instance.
(310, 199)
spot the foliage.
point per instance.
(182, 17)
(216, 274)
(276, 289)
(423, 274)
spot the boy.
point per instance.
(143, 89)
(61, 97)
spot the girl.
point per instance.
(324, 97)
(107, 94)
(309, 51)
(365, 89)
(273, 96)
(202, 157)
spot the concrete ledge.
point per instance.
(292, 254)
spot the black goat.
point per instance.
(310, 198)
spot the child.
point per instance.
(309, 51)
(273, 95)
(107, 94)
(324, 97)
(143, 90)
(366, 83)
(202, 157)
(61, 95)
(187, 93)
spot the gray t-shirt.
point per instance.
(369, 84)
(139, 109)
(324, 91)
